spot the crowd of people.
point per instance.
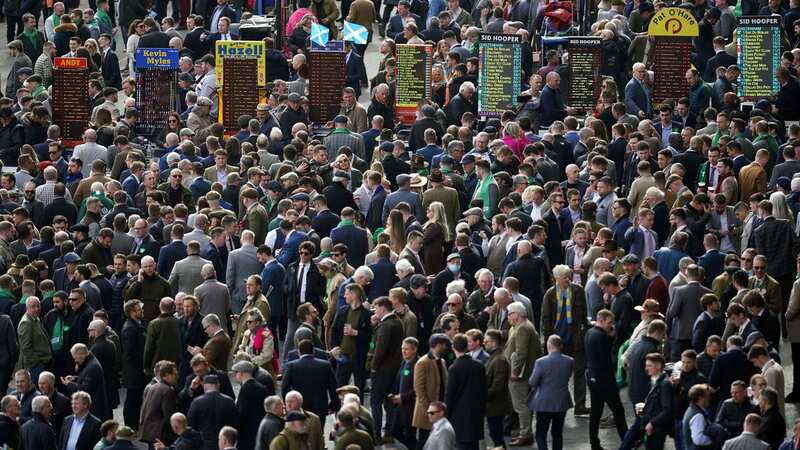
(429, 285)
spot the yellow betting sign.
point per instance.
(241, 50)
(674, 22)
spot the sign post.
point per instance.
(70, 94)
(758, 45)
(672, 30)
(156, 87)
(499, 73)
(414, 63)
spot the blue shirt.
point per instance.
(75, 431)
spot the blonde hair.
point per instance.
(440, 217)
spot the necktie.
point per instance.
(648, 243)
(229, 244)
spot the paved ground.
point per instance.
(576, 429)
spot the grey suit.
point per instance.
(785, 169)
(197, 235)
(715, 225)
(214, 298)
(185, 276)
(745, 441)
(442, 437)
(122, 243)
(242, 263)
(684, 307)
(550, 383)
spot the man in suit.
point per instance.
(430, 379)
(314, 379)
(273, 275)
(134, 380)
(218, 347)
(221, 169)
(549, 396)
(666, 125)
(559, 228)
(304, 284)
(211, 411)
(600, 376)
(89, 433)
(776, 240)
(466, 395)
(213, 295)
(255, 216)
(89, 379)
(725, 225)
(143, 243)
(355, 72)
(109, 64)
(288, 253)
(171, 253)
(223, 33)
(352, 235)
(748, 440)
(684, 308)
(185, 275)
(386, 359)
(193, 41)
(222, 9)
(250, 404)
(729, 367)
(522, 349)
(712, 261)
(637, 94)
(242, 263)
(154, 37)
(158, 404)
(403, 396)
(396, 24)
(643, 240)
(566, 294)
(789, 167)
(709, 322)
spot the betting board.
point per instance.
(156, 87)
(239, 96)
(71, 107)
(413, 80)
(671, 61)
(326, 83)
(758, 45)
(584, 61)
(499, 73)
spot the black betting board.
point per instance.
(672, 60)
(584, 62)
(413, 79)
(326, 84)
(499, 73)
(156, 96)
(759, 48)
(71, 108)
(239, 93)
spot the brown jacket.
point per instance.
(217, 350)
(449, 198)
(158, 404)
(84, 188)
(579, 314)
(428, 385)
(752, 179)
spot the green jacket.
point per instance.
(163, 342)
(354, 436)
(289, 440)
(498, 397)
(34, 345)
(150, 291)
(522, 349)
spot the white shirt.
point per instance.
(75, 431)
(725, 244)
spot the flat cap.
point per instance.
(72, 257)
(243, 367)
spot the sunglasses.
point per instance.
(177, 176)
(74, 299)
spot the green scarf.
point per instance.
(103, 17)
(24, 300)
(345, 222)
(32, 35)
(6, 293)
(482, 192)
(57, 339)
(56, 19)
(771, 142)
(718, 135)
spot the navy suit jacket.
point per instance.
(168, 256)
(713, 261)
(110, 70)
(355, 72)
(216, 256)
(636, 99)
(385, 278)
(290, 252)
(314, 378)
(549, 383)
(273, 285)
(131, 186)
(395, 25)
(635, 238)
(200, 187)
